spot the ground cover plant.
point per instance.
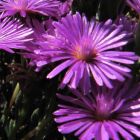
(69, 70)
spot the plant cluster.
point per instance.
(69, 69)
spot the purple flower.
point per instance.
(128, 24)
(65, 7)
(101, 115)
(45, 7)
(41, 29)
(88, 50)
(13, 35)
(135, 4)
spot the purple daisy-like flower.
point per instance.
(135, 4)
(13, 35)
(103, 114)
(88, 50)
(44, 7)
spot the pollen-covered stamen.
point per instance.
(84, 51)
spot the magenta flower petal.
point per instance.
(135, 4)
(13, 35)
(65, 6)
(60, 68)
(45, 7)
(128, 24)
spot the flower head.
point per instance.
(135, 4)
(13, 35)
(88, 50)
(101, 115)
(44, 7)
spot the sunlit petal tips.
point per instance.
(13, 35)
(23, 7)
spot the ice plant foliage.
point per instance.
(44, 7)
(88, 50)
(13, 35)
(102, 115)
(135, 4)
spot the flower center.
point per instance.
(104, 107)
(84, 53)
